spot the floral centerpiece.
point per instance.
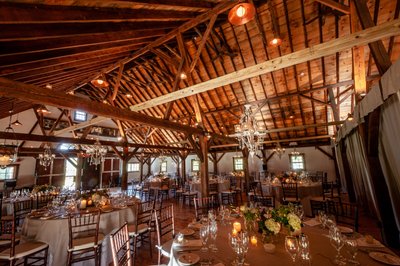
(44, 189)
(97, 198)
(286, 217)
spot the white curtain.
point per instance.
(389, 150)
(360, 173)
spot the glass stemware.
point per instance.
(240, 245)
(213, 228)
(352, 249)
(337, 241)
(204, 232)
(292, 247)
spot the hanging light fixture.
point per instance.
(162, 157)
(96, 153)
(100, 83)
(241, 14)
(279, 150)
(8, 152)
(46, 158)
(276, 40)
(16, 122)
(294, 144)
(248, 133)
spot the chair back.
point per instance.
(43, 200)
(266, 201)
(202, 206)
(144, 212)
(21, 210)
(165, 184)
(290, 190)
(213, 188)
(7, 234)
(317, 205)
(165, 221)
(120, 248)
(83, 226)
(344, 212)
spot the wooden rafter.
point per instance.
(335, 5)
(366, 36)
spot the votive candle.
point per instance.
(234, 232)
(83, 204)
(253, 240)
(237, 226)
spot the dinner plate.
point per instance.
(385, 258)
(188, 259)
(187, 232)
(345, 230)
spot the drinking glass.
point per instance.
(213, 233)
(242, 248)
(352, 249)
(337, 241)
(292, 246)
(204, 232)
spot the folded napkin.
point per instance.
(363, 243)
(188, 244)
(311, 222)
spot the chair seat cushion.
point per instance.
(291, 199)
(142, 228)
(24, 249)
(85, 242)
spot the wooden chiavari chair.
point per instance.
(165, 225)
(120, 247)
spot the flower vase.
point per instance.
(268, 238)
(250, 226)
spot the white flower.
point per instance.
(243, 208)
(273, 226)
(253, 210)
(294, 221)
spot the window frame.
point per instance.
(130, 170)
(192, 165)
(303, 161)
(234, 163)
(80, 113)
(162, 166)
(15, 172)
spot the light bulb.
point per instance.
(241, 11)
(100, 81)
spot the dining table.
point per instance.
(321, 251)
(53, 230)
(223, 185)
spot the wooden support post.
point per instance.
(183, 156)
(124, 174)
(79, 164)
(203, 141)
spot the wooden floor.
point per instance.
(185, 214)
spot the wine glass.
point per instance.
(352, 249)
(204, 232)
(337, 241)
(242, 248)
(213, 228)
(292, 246)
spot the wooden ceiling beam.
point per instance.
(218, 9)
(32, 93)
(378, 50)
(53, 139)
(335, 5)
(364, 37)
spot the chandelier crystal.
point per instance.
(46, 158)
(97, 153)
(248, 133)
(279, 150)
(8, 152)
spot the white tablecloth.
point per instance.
(56, 234)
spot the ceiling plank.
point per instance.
(117, 83)
(93, 121)
(364, 37)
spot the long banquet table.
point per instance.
(322, 253)
(55, 233)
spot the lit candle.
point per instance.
(89, 202)
(237, 226)
(234, 232)
(83, 204)
(253, 240)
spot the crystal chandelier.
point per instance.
(97, 153)
(8, 152)
(279, 150)
(294, 152)
(162, 157)
(46, 158)
(248, 133)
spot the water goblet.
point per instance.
(242, 246)
(337, 240)
(204, 232)
(352, 249)
(292, 246)
(213, 228)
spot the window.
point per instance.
(70, 173)
(296, 161)
(195, 165)
(66, 146)
(80, 116)
(163, 167)
(133, 167)
(237, 163)
(7, 173)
